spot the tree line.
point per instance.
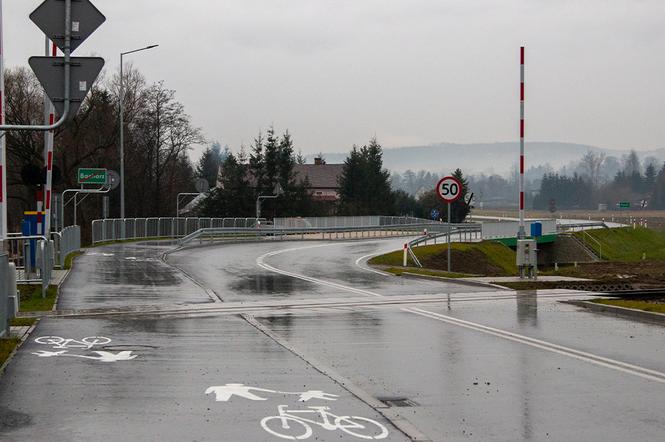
(364, 185)
(634, 183)
(158, 137)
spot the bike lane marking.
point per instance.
(391, 415)
(63, 345)
(352, 425)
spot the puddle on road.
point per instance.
(12, 420)
(134, 273)
(262, 284)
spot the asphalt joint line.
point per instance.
(609, 363)
(391, 415)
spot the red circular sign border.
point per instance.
(438, 186)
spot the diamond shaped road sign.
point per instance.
(50, 72)
(50, 18)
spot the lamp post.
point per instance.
(277, 192)
(122, 130)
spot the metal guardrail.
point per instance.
(66, 242)
(348, 221)
(586, 235)
(562, 228)
(4, 294)
(331, 233)
(465, 231)
(20, 252)
(139, 228)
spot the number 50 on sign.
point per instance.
(449, 189)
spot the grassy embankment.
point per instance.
(627, 244)
(656, 307)
(7, 346)
(31, 301)
(468, 259)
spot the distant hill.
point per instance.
(485, 157)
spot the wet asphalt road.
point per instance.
(481, 366)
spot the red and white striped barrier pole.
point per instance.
(521, 234)
(3, 142)
(49, 114)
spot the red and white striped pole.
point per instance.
(3, 143)
(521, 234)
(49, 114)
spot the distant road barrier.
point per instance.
(320, 233)
(138, 228)
(348, 221)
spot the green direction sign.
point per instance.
(624, 205)
(92, 176)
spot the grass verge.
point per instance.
(638, 305)
(627, 244)
(487, 258)
(31, 298)
(23, 322)
(7, 346)
(427, 272)
(69, 259)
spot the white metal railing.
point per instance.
(319, 233)
(66, 242)
(585, 235)
(4, 294)
(348, 221)
(142, 228)
(21, 251)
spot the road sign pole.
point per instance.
(521, 234)
(122, 143)
(449, 189)
(450, 206)
(3, 141)
(49, 117)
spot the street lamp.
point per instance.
(122, 130)
(277, 192)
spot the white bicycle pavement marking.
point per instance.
(348, 424)
(63, 343)
(613, 364)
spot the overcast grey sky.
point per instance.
(336, 72)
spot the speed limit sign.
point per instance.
(449, 189)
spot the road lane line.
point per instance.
(548, 346)
(369, 269)
(613, 364)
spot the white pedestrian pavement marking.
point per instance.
(102, 356)
(87, 343)
(223, 393)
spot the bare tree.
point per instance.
(592, 164)
(161, 136)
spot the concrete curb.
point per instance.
(624, 312)
(18, 346)
(460, 281)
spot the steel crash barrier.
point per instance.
(348, 221)
(320, 233)
(32, 259)
(466, 232)
(8, 294)
(65, 242)
(144, 228)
